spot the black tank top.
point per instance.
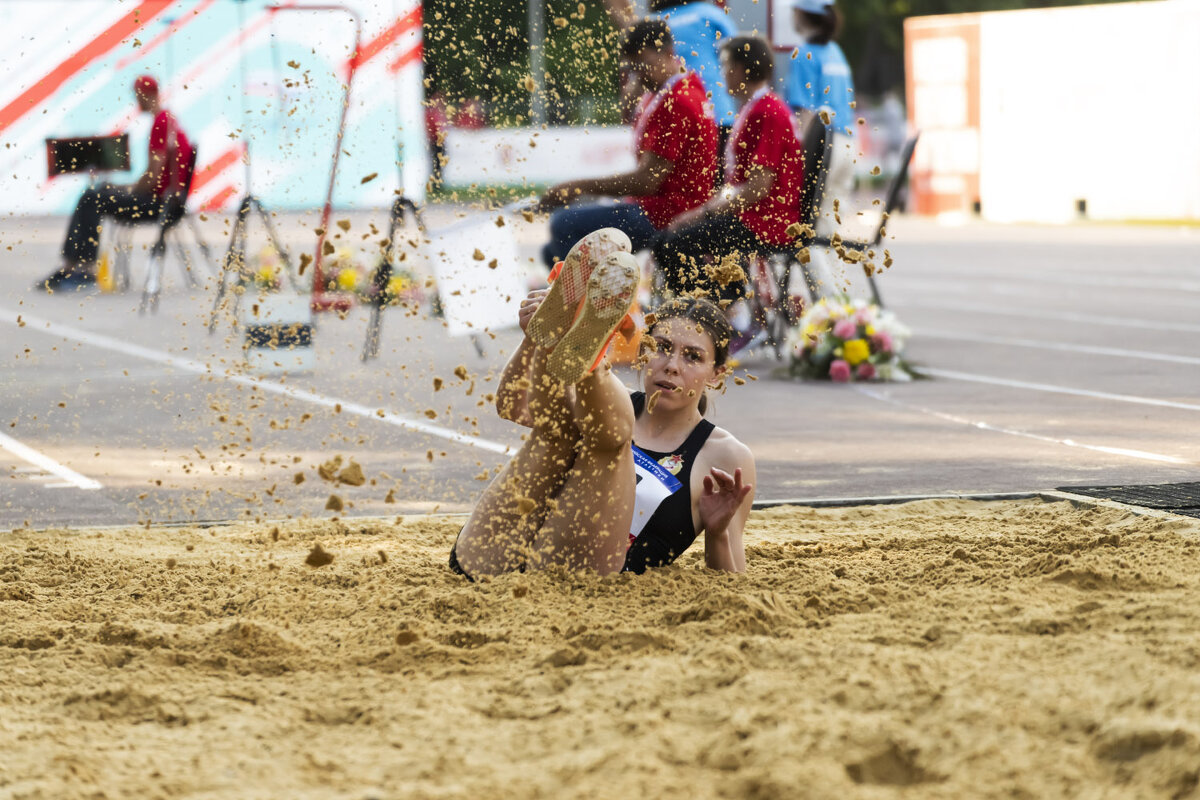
(662, 519)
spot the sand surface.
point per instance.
(935, 649)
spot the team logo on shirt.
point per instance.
(672, 463)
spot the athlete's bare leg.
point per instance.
(588, 522)
(499, 535)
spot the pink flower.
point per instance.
(845, 329)
(882, 342)
(865, 371)
(839, 371)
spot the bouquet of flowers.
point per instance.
(267, 270)
(403, 287)
(845, 340)
(343, 273)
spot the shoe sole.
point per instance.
(556, 313)
(610, 295)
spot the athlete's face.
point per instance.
(681, 363)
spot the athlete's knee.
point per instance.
(612, 434)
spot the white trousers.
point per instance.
(825, 267)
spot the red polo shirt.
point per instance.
(764, 136)
(675, 126)
(167, 137)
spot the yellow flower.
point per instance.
(870, 329)
(347, 279)
(857, 351)
(398, 284)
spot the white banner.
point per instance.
(536, 156)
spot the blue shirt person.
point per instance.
(699, 28)
(819, 77)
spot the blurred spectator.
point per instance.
(893, 130)
(676, 142)
(764, 170)
(435, 132)
(167, 173)
(698, 28)
(819, 85)
(470, 114)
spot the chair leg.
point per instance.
(153, 285)
(809, 282)
(122, 253)
(871, 283)
(200, 243)
(185, 260)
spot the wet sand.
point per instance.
(934, 649)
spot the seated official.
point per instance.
(676, 142)
(764, 170)
(143, 200)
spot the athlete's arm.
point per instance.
(643, 180)
(724, 505)
(149, 179)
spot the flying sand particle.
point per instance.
(318, 557)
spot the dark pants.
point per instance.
(569, 225)
(682, 256)
(106, 200)
(723, 134)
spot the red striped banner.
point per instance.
(123, 28)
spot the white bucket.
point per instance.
(278, 332)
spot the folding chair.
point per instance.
(890, 204)
(174, 211)
(769, 272)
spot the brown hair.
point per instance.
(825, 26)
(753, 54)
(649, 34)
(711, 319)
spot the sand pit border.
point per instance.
(1076, 501)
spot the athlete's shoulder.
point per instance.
(724, 448)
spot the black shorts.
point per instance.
(457, 567)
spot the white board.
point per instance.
(477, 294)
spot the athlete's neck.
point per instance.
(671, 424)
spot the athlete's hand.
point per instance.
(529, 305)
(722, 496)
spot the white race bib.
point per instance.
(654, 485)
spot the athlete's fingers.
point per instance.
(708, 485)
(722, 477)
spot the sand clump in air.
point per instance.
(935, 649)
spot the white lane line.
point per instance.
(1083, 281)
(69, 476)
(1116, 451)
(1014, 288)
(188, 365)
(1064, 316)
(954, 375)
(1116, 352)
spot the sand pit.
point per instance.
(934, 649)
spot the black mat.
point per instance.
(1177, 498)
